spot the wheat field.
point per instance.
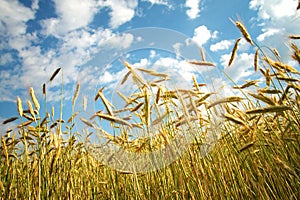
(256, 156)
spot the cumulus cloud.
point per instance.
(152, 54)
(35, 5)
(78, 14)
(121, 41)
(72, 14)
(159, 2)
(22, 41)
(278, 19)
(177, 48)
(14, 23)
(75, 50)
(222, 45)
(77, 42)
(106, 77)
(182, 68)
(267, 33)
(193, 8)
(202, 34)
(121, 11)
(5, 58)
(274, 9)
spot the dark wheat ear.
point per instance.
(54, 74)
(298, 7)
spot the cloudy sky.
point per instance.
(89, 38)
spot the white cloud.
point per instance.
(121, 41)
(72, 14)
(121, 11)
(214, 35)
(13, 17)
(35, 5)
(177, 46)
(144, 62)
(202, 35)
(50, 26)
(106, 77)
(5, 58)
(152, 54)
(181, 72)
(139, 39)
(74, 50)
(278, 19)
(222, 45)
(84, 39)
(267, 33)
(193, 8)
(274, 8)
(182, 68)
(87, 76)
(22, 41)
(76, 14)
(159, 2)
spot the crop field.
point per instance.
(256, 154)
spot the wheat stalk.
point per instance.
(294, 37)
(54, 74)
(280, 108)
(263, 98)
(234, 50)
(125, 77)
(137, 107)
(4, 147)
(248, 84)
(19, 106)
(202, 53)
(268, 77)
(113, 119)
(34, 99)
(76, 94)
(84, 103)
(44, 89)
(25, 124)
(9, 120)
(225, 100)
(31, 109)
(244, 32)
(202, 63)
(87, 122)
(246, 146)
(234, 119)
(276, 52)
(73, 116)
(106, 103)
(269, 91)
(256, 60)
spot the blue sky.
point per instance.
(89, 38)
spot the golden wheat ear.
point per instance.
(256, 60)
(19, 106)
(294, 37)
(243, 30)
(234, 50)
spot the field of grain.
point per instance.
(256, 156)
